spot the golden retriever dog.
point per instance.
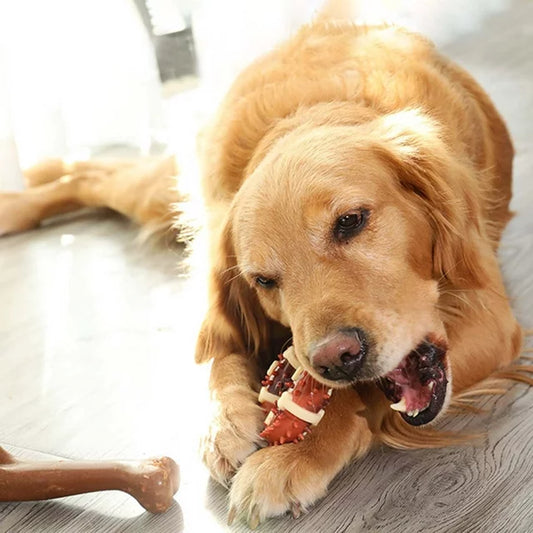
(357, 184)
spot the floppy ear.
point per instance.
(449, 191)
(235, 321)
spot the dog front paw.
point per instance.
(233, 434)
(275, 480)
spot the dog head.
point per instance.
(345, 234)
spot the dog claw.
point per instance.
(231, 515)
(254, 519)
(296, 510)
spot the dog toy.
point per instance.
(293, 399)
(152, 482)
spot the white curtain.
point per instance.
(75, 75)
(10, 177)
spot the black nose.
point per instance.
(340, 356)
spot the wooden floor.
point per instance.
(96, 341)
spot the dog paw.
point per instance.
(232, 436)
(276, 480)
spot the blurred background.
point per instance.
(124, 77)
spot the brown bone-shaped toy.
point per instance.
(152, 482)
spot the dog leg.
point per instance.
(152, 482)
(45, 172)
(237, 419)
(291, 477)
(21, 211)
(52, 169)
(144, 191)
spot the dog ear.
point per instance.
(449, 191)
(235, 321)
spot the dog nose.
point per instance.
(341, 356)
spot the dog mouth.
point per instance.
(417, 386)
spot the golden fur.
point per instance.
(141, 189)
(338, 117)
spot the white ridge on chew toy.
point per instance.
(293, 399)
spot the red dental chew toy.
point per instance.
(293, 399)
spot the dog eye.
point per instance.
(266, 283)
(350, 224)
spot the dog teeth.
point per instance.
(400, 406)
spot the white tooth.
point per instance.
(400, 406)
(431, 385)
(415, 412)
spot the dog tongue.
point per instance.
(414, 395)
